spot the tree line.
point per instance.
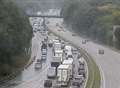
(94, 18)
(15, 37)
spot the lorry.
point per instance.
(44, 54)
(59, 53)
(68, 48)
(56, 41)
(101, 51)
(63, 74)
(57, 46)
(70, 63)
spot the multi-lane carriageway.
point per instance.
(108, 63)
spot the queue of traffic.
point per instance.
(68, 68)
(62, 73)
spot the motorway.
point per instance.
(108, 63)
(31, 78)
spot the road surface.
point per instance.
(108, 63)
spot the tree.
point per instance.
(15, 33)
(93, 18)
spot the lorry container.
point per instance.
(44, 54)
(59, 53)
(63, 74)
(44, 51)
(51, 72)
(56, 61)
(56, 41)
(70, 63)
(43, 57)
(57, 46)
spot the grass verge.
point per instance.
(94, 78)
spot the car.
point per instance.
(47, 83)
(79, 55)
(62, 45)
(59, 30)
(57, 24)
(38, 65)
(74, 34)
(47, 22)
(50, 43)
(75, 84)
(83, 41)
(34, 31)
(38, 60)
(77, 81)
(74, 50)
(101, 51)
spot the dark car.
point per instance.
(74, 34)
(101, 51)
(84, 42)
(48, 83)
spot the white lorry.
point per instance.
(70, 63)
(68, 48)
(63, 74)
(57, 46)
(44, 54)
(59, 53)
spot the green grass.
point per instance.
(94, 77)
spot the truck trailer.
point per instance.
(63, 74)
(70, 63)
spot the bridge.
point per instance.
(45, 16)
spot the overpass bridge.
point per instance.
(45, 16)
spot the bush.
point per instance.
(15, 33)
